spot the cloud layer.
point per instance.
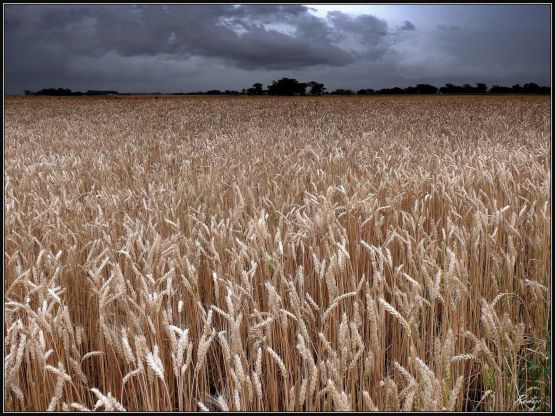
(180, 48)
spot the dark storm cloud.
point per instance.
(182, 31)
(408, 26)
(191, 47)
(366, 35)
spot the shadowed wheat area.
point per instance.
(330, 253)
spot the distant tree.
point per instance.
(101, 92)
(467, 89)
(444, 89)
(287, 86)
(450, 89)
(257, 88)
(214, 92)
(316, 88)
(496, 89)
(481, 87)
(395, 90)
(531, 88)
(341, 91)
(54, 91)
(426, 89)
(28, 92)
(367, 91)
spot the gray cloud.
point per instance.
(408, 26)
(191, 47)
(181, 31)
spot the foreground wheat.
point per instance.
(277, 254)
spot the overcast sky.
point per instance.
(181, 48)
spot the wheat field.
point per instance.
(301, 254)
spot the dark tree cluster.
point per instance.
(288, 86)
(316, 88)
(67, 91)
(530, 88)
(284, 86)
(99, 92)
(480, 88)
(395, 90)
(418, 89)
(256, 89)
(368, 91)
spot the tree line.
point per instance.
(67, 91)
(291, 86)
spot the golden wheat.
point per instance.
(263, 254)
